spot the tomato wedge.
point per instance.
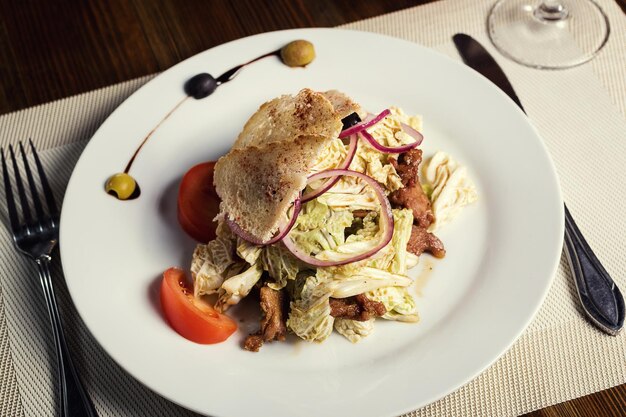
(198, 203)
(192, 318)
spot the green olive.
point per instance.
(122, 186)
(297, 53)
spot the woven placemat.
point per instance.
(581, 116)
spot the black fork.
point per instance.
(35, 235)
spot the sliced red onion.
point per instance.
(365, 124)
(386, 221)
(413, 133)
(344, 165)
(279, 236)
(386, 149)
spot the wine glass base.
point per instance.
(556, 37)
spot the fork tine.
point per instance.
(47, 191)
(20, 188)
(32, 184)
(8, 192)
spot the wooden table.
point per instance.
(51, 49)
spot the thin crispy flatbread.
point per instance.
(285, 117)
(258, 184)
(262, 175)
(343, 105)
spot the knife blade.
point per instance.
(475, 56)
(600, 297)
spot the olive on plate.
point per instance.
(297, 53)
(122, 186)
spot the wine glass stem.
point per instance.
(551, 10)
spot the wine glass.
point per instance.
(550, 34)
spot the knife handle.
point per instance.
(600, 297)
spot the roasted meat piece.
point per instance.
(273, 322)
(422, 240)
(358, 308)
(411, 196)
(415, 199)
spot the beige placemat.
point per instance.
(580, 114)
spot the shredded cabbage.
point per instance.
(237, 287)
(368, 231)
(376, 164)
(452, 189)
(207, 279)
(403, 222)
(210, 263)
(359, 281)
(247, 251)
(411, 260)
(363, 240)
(399, 303)
(347, 201)
(309, 316)
(313, 215)
(389, 133)
(319, 228)
(280, 264)
(331, 157)
(354, 330)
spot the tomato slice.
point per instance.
(192, 318)
(198, 203)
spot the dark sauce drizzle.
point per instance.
(232, 73)
(143, 142)
(222, 79)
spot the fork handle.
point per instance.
(74, 399)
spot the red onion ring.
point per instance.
(386, 221)
(386, 149)
(344, 165)
(413, 133)
(236, 229)
(360, 128)
(365, 124)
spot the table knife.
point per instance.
(600, 297)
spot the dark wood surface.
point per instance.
(51, 49)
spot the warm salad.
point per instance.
(322, 208)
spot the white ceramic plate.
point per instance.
(502, 251)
